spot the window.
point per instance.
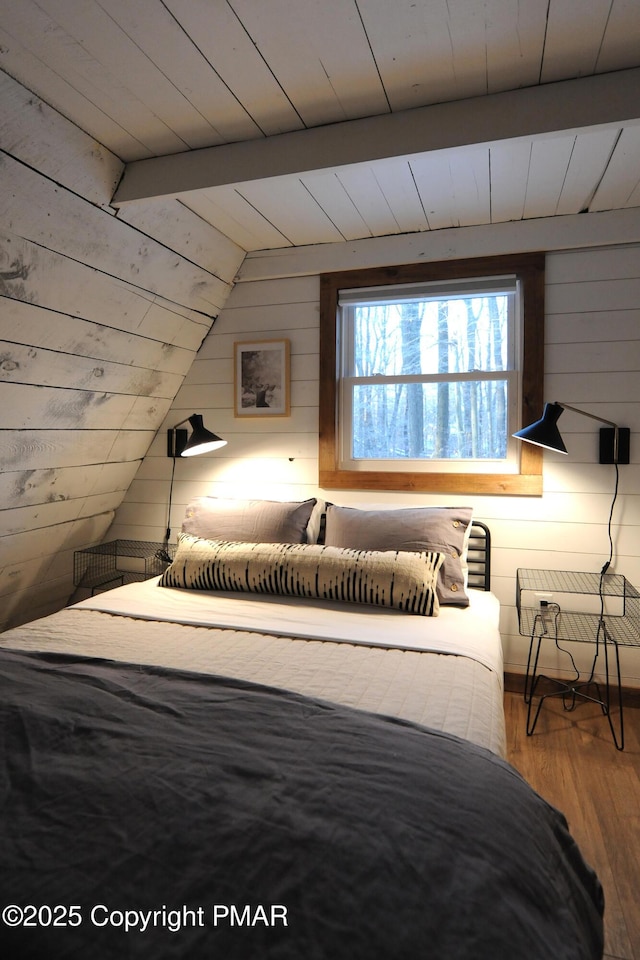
(427, 370)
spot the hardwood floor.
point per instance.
(572, 762)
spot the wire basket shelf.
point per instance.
(117, 562)
(606, 602)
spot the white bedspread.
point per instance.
(262, 640)
(470, 632)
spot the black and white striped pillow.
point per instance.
(398, 579)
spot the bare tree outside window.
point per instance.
(409, 398)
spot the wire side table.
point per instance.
(545, 601)
(117, 562)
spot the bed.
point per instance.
(290, 744)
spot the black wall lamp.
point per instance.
(614, 440)
(614, 446)
(180, 444)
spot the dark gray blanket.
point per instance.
(155, 800)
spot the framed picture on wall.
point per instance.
(261, 378)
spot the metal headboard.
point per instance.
(479, 556)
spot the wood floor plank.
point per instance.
(572, 762)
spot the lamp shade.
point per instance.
(544, 432)
(201, 439)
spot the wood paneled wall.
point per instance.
(592, 355)
(100, 319)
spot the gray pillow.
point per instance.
(402, 581)
(255, 521)
(442, 529)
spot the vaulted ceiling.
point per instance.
(292, 122)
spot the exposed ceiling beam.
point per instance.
(572, 232)
(598, 101)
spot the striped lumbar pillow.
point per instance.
(401, 580)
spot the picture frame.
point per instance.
(261, 381)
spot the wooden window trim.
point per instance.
(528, 482)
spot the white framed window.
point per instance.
(432, 375)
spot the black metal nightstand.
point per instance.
(609, 617)
(112, 564)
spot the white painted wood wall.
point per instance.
(592, 359)
(99, 323)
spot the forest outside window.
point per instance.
(427, 371)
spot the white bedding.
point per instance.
(469, 632)
(443, 672)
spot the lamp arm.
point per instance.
(592, 416)
(610, 423)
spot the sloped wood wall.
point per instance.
(100, 319)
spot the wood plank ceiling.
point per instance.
(163, 78)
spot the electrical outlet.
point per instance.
(547, 596)
(545, 612)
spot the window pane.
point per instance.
(453, 335)
(435, 421)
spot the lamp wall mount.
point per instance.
(176, 441)
(615, 445)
